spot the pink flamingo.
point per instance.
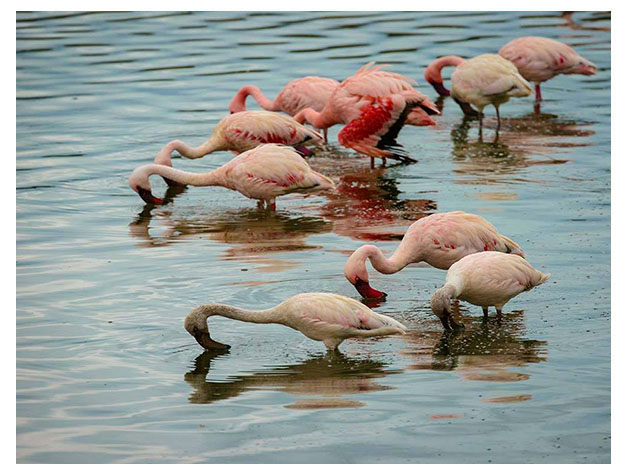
(485, 279)
(262, 174)
(482, 80)
(329, 318)
(539, 59)
(244, 131)
(310, 91)
(439, 240)
(374, 104)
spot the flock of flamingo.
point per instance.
(485, 268)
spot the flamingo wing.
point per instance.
(342, 315)
(275, 170)
(377, 127)
(251, 128)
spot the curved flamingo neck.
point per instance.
(240, 314)
(238, 103)
(378, 261)
(164, 155)
(213, 178)
(433, 73)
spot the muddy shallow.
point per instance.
(105, 370)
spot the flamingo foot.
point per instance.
(148, 197)
(368, 292)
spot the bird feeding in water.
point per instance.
(440, 240)
(263, 174)
(325, 317)
(487, 279)
(244, 131)
(299, 94)
(480, 81)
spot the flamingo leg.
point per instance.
(481, 125)
(260, 204)
(485, 313)
(326, 135)
(371, 162)
(498, 119)
(538, 93)
(272, 204)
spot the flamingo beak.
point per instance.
(440, 89)
(204, 340)
(147, 196)
(303, 151)
(368, 292)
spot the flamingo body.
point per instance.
(440, 240)
(323, 317)
(244, 131)
(374, 105)
(539, 59)
(487, 79)
(485, 279)
(262, 173)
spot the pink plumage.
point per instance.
(299, 94)
(374, 104)
(262, 174)
(439, 240)
(244, 131)
(539, 59)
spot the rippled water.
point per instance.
(105, 370)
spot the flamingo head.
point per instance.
(584, 67)
(441, 304)
(303, 151)
(140, 183)
(196, 325)
(356, 273)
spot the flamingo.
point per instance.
(243, 131)
(374, 104)
(310, 91)
(262, 173)
(485, 279)
(482, 80)
(440, 240)
(325, 317)
(539, 59)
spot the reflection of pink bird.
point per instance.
(539, 59)
(310, 91)
(485, 279)
(243, 131)
(262, 174)
(439, 240)
(374, 104)
(323, 317)
(482, 80)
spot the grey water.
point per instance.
(105, 369)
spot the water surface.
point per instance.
(105, 370)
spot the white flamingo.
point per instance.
(485, 279)
(322, 317)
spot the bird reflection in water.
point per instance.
(480, 162)
(327, 378)
(254, 235)
(366, 205)
(485, 351)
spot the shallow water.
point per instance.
(105, 370)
